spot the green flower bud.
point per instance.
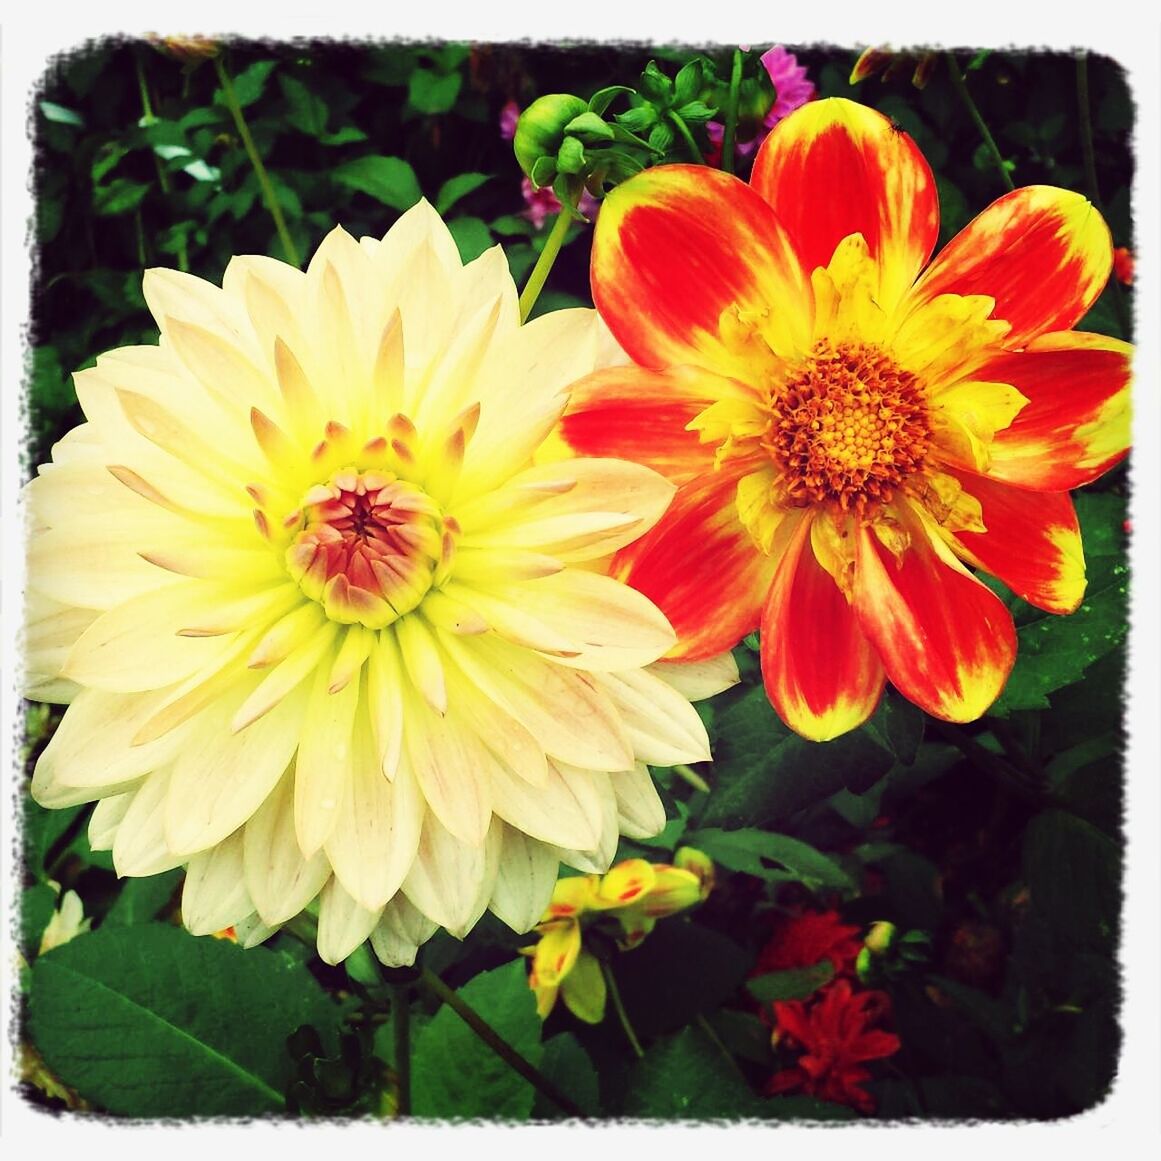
(540, 130)
(880, 937)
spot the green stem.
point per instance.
(1088, 152)
(683, 129)
(690, 775)
(256, 161)
(536, 279)
(497, 1043)
(732, 114)
(619, 1008)
(401, 1037)
(961, 88)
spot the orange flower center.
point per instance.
(369, 548)
(847, 428)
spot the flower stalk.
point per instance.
(401, 1040)
(961, 88)
(686, 136)
(619, 1008)
(544, 263)
(497, 1043)
(268, 194)
(731, 126)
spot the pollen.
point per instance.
(846, 428)
(368, 548)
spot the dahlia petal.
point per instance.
(385, 702)
(172, 294)
(107, 816)
(701, 568)
(565, 811)
(820, 671)
(214, 895)
(693, 243)
(278, 879)
(1044, 254)
(570, 538)
(946, 641)
(594, 860)
(220, 778)
(888, 191)
(91, 752)
(663, 727)
(448, 877)
(251, 931)
(377, 830)
(399, 933)
(135, 646)
(286, 676)
(421, 661)
(556, 952)
(1032, 543)
(343, 923)
(640, 811)
(1076, 424)
(524, 882)
(636, 414)
(452, 767)
(323, 765)
(140, 847)
(563, 709)
(697, 680)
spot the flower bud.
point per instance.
(540, 131)
(880, 937)
(699, 864)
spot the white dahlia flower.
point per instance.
(325, 628)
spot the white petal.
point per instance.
(448, 877)
(214, 896)
(342, 923)
(279, 880)
(524, 882)
(323, 765)
(377, 832)
(563, 709)
(140, 847)
(566, 810)
(105, 819)
(251, 931)
(640, 811)
(400, 932)
(697, 680)
(662, 725)
(221, 778)
(597, 860)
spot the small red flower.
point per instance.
(835, 1031)
(801, 941)
(1123, 265)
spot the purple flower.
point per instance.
(509, 115)
(792, 88)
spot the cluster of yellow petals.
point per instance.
(634, 894)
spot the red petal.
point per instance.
(1044, 254)
(677, 245)
(1032, 543)
(1076, 423)
(635, 414)
(701, 568)
(946, 641)
(834, 168)
(821, 673)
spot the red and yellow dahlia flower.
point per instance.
(850, 425)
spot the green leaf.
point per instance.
(764, 773)
(569, 1067)
(37, 905)
(42, 829)
(60, 115)
(120, 196)
(745, 850)
(471, 235)
(149, 1021)
(681, 970)
(897, 726)
(591, 126)
(141, 899)
(308, 111)
(457, 187)
(687, 1077)
(603, 98)
(455, 1074)
(792, 984)
(249, 84)
(389, 180)
(1054, 651)
(432, 92)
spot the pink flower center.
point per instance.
(369, 547)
